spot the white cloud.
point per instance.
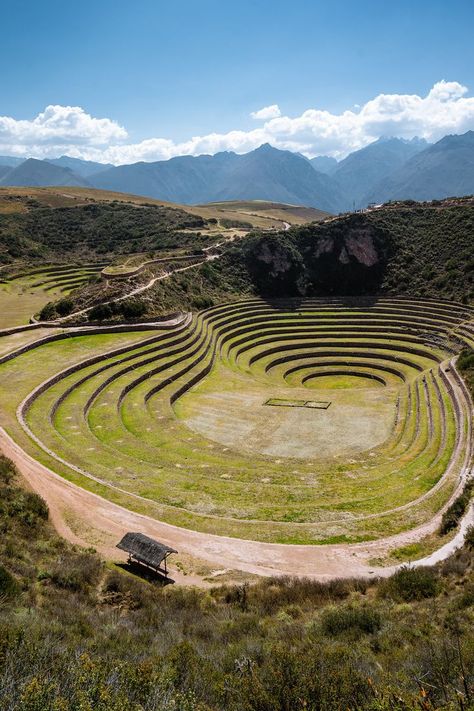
(55, 128)
(268, 112)
(446, 108)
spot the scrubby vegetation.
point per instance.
(466, 366)
(99, 228)
(77, 634)
(456, 511)
(418, 250)
(422, 250)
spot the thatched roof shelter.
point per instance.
(145, 550)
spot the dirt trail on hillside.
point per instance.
(152, 282)
(84, 518)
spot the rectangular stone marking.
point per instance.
(313, 404)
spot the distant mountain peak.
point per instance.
(266, 148)
(415, 140)
(37, 173)
(265, 173)
(440, 170)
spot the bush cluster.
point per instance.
(456, 511)
(95, 228)
(409, 584)
(129, 309)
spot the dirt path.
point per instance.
(149, 284)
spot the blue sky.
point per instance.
(186, 68)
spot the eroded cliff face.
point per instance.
(358, 243)
(277, 258)
(340, 259)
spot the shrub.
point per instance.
(28, 507)
(48, 312)
(202, 302)
(100, 312)
(469, 538)
(409, 584)
(36, 505)
(7, 470)
(8, 585)
(455, 512)
(238, 224)
(466, 359)
(64, 307)
(76, 571)
(125, 591)
(133, 308)
(337, 620)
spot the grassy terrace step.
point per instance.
(24, 295)
(135, 421)
(155, 425)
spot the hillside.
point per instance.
(405, 249)
(84, 168)
(50, 224)
(361, 170)
(420, 250)
(255, 209)
(83, 232)
(78, 633)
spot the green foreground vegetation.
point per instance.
(77, 634)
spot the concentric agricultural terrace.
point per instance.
(61, 279)
(24, 294)
(309, 421)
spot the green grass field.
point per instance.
(175, 424)
(23, 296)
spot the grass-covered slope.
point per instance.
(87, 231)
(76, 633)
(420, 250)
(39, 224)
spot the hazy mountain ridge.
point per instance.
(324, 164)
(444, 169)
(84, 168)
(263, 174)
(363, 169)
(11, 161)
(39, 172)
(388, 169)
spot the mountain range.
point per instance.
(387, 169)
